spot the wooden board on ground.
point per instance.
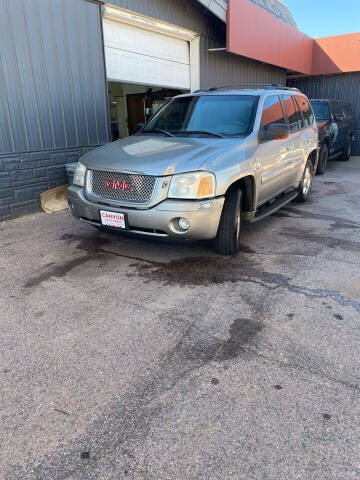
(54, 200)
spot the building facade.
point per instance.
(75, 74)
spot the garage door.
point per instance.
(141, 55)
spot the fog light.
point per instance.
(184, 223)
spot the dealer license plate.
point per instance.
(112, 219)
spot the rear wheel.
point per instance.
(323, 159)
(227, 240)
(304, 189)
(346, 153)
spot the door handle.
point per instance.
(285, 149)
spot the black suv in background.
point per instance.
(336, 125)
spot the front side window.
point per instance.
(293, 113)
(321, 110)
(308, 115)
(272, 112)
(231, 115)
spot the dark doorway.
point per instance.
(136, 111)
(131, 105)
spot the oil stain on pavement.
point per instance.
(242, 332)
(90, 246)
(207, 271)
(213, 270)
(335, 222)
(325, 240)
(191, 271)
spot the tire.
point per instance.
(304, 189)
(227, 240)
(323, 159)
(346, 153)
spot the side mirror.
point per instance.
(139, 127)
(275, 131)
(338, 117)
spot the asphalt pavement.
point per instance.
(124, 358)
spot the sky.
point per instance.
(324, 18)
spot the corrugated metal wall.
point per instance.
(216, 68)
(52, 80)
(53, 95)
(345, 86)
(222, 68)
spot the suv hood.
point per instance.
(155, 154)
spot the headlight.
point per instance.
(192, 185)
(79, 175)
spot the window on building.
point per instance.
(272, 112)
(293, 113)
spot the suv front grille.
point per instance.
(121, 186)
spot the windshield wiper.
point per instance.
(160, 130)
(201, 132)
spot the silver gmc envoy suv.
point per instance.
(204, 163)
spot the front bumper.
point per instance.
(160, 221)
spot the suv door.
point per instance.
(349, 113)
(273, 156)
(348, 119)
(338, 126)
(309, 137)
(296, 153)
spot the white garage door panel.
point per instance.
(128, 67)
(135, 54)
(146, 42)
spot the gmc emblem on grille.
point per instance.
(116, 185)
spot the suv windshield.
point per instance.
(206, 114)
(321, 110)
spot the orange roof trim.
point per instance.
(254, 33)
(338, 54)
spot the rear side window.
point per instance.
(293, 113)
(272, 112)
(347, 109)
(308, 114)
(336, 108)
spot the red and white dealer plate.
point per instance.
(112, 219)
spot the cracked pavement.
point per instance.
(125, 358)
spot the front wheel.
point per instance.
(227, 240)
(304, 189)
(346, 153)
(323, 159)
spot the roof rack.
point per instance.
(265, 86)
